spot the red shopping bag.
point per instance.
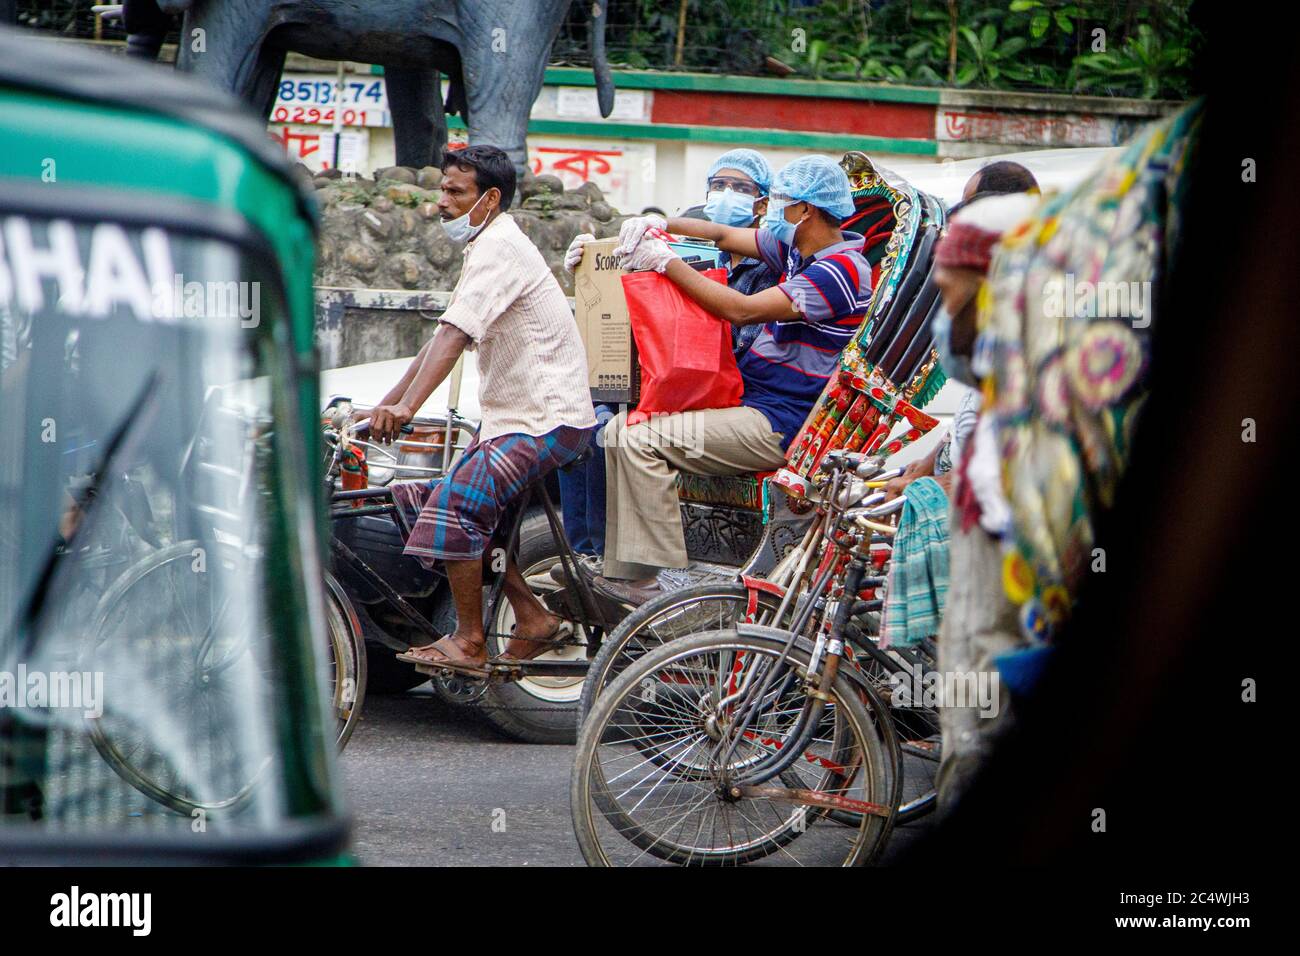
(685, 352)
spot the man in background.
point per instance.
(998, 179)
(995, 179)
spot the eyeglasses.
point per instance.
(718, 184)
(778, 201)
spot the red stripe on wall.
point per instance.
(765, 111)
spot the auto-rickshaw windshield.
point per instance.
(143, 537)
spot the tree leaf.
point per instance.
(926, 74)
(917, 50)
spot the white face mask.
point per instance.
(461, 229)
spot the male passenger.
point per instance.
(736, 195)
(996, 179)
(999, 179)
(807, 320)
(979, 622)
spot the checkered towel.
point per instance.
(453, 518)
(918, 566)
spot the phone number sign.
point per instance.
(314, 98)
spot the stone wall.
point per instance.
(385, 232)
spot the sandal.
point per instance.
(444, 661)
(549, 643)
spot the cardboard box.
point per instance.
(601, 312)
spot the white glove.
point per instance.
(574, 254)
(649, 254)
(630, 233)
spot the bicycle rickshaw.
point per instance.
(740, 528)
(739, 744)
(160, 538)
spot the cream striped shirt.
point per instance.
(532, 363)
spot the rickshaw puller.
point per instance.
(536, 411)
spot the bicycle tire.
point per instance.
(532, 710)
(122, 764)
(590, 805)
(633, 636)
(348, 652)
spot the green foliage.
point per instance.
(1159, 65)
(1138, 48)
(1110, 47)
(716, 35)
(1001, 44)
(69, 17)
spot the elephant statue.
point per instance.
(493, 51)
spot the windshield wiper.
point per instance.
(124, 433)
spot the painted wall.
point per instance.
(634, 173)
(667, 129)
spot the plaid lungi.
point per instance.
(918, 567)
(453, 518)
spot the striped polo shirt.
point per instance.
(790, 362)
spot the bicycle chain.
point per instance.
(515, 710)
(477, 704)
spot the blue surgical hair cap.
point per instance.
(748, 161)
(817, 181)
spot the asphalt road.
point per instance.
(431, 785)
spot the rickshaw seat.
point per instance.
(724, 491)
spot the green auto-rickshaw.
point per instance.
(167, 651)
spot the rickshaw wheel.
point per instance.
(536, 710)
(681, 817)
(129, 750)
(670, 616)
(346, 660)
(129, 753)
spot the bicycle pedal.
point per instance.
(445, 673)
